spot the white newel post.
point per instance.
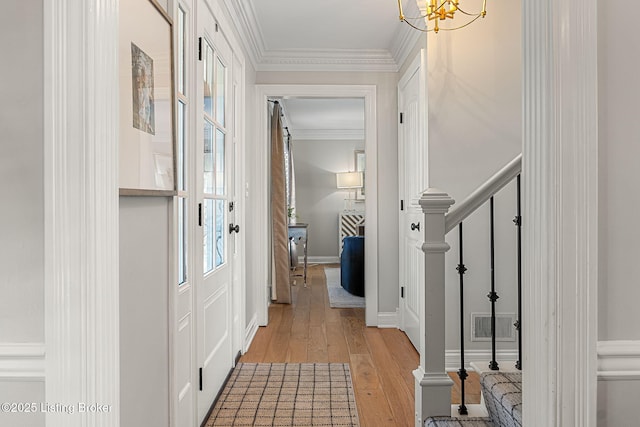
(433, 385)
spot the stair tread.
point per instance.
(502, 393)
(457, 422)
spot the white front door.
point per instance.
(412, 168)
(215, 188)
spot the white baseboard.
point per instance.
(22, 361)
(250, 333)
(388, 319)
(319, 260)
(452, 357)
(618, 360)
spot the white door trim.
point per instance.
(260, 190)
(560, 177)
(81, 209)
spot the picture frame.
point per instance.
(359, 163)
(147, 136)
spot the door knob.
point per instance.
(415, 227)
(233, 228)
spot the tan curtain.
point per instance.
(280, 230)
(291, 194)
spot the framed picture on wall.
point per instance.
(147, 126)
(360, 167)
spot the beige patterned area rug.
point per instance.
(338, 297)
(287, 394)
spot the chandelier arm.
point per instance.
(461, 26)
(427, 30)
(400, 13)
(416, 28)
(443, 29)
(415, 18)
(468, 14)
(437, 9)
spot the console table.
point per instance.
(298, 233)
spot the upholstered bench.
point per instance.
(352, 265)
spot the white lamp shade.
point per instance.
(349, 180)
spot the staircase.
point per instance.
(502, 396)
(501, 389)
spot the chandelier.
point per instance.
(440, 10)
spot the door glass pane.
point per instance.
(182, 241)
(219, 165)
(208, 235)
(181, 147)
(208, 79)
(208, 157)
(220, 91)
(181, 50)
(220, 240)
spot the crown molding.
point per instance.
(406, 37)
(327, 134)
(263, 59)
(375, 60)
(244, 18)
(403, 43)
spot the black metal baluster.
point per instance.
(518, 325)
(462, 373)
(493, 296)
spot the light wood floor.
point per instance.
(381, 360)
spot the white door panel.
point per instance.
(412, 169)
(208, 318)
(414, 278)
(184, 369)
(215, 188)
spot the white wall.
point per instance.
(22, 391)
(318, 201)
(21, 171)
(144, 311)
(616, 403)
(475, 128)
(22, 212)
(387, 130)
(619, 199)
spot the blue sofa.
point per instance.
(352, 265)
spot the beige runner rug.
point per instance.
(287, 394)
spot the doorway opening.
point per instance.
(326, 196)
(260, 183)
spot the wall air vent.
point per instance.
(481, 327)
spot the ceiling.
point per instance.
(324, 118)
(333, 35)
(326, 35)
